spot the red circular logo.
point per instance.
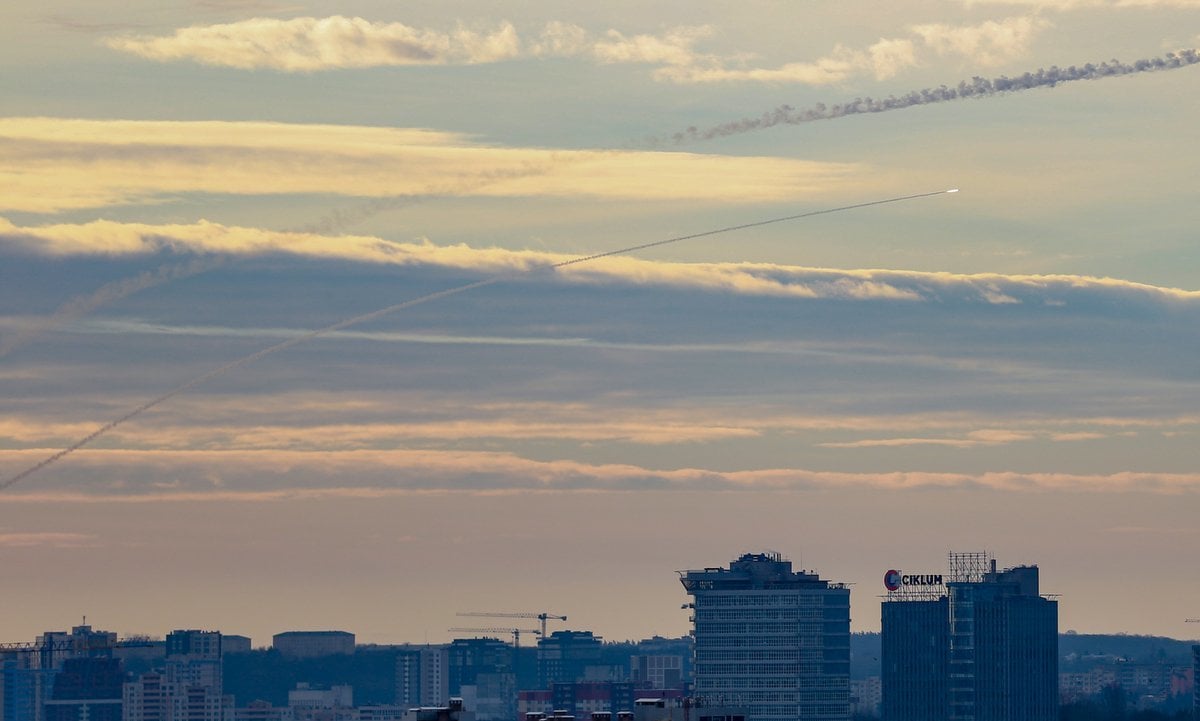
(891, 580)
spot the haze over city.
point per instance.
(1011, 367)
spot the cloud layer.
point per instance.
(272, 475)
(112, 239)
(310, 44)
(51, 165)
(601, 375)
(307, 43)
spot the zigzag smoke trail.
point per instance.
(359, 319)
(976, 87)
(339, 220)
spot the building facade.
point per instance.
(656, 671)
(771, 640)
(583, 698)
(87, 689)
(188, 688)
(1196, 682)
(311, 644)
(28, 672)
(982, 645)
(916, 659)
(563, 656)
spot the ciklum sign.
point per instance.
(895, 580)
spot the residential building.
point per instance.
(194, 659)
(583, 698)
(482, 673)
(423, 677)
(150, 697)
(24, 688)
(679, 709)
(537, 702)
(311, 644)
(563, 656)
(453, 711)
(466, 658)
(866, 696)
(381, 713)
(309, 696)
(656, 671)
(260, 710)
(87, 689)
(771, 640)
(188, 688)
(491, 696)
(311, 703)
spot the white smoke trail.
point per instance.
(334, 222)
(81, 305)
(976, 87)
(359, 319)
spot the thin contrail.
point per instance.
(81, 305)
(359, 319)
(976, 87)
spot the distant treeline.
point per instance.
(1076, 651)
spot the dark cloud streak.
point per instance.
(976, 87)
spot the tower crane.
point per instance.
(542, 616)
(516, 632)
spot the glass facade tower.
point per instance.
(986, 649)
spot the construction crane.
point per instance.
(84, 646)
(543, 616)
(51, 652)
(516, 632)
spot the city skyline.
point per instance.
(1008, 368)
(926, 583)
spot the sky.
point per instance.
(190, 188)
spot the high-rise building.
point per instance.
(482, 673)
(189, 688)
(194, 658)
(87, 689)
(422, 677)
(469, 657)
(772, 640)
(564, 656)
(150, 697)
(915, 659)
(24, 687)
(976, 645)
(28, 673)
